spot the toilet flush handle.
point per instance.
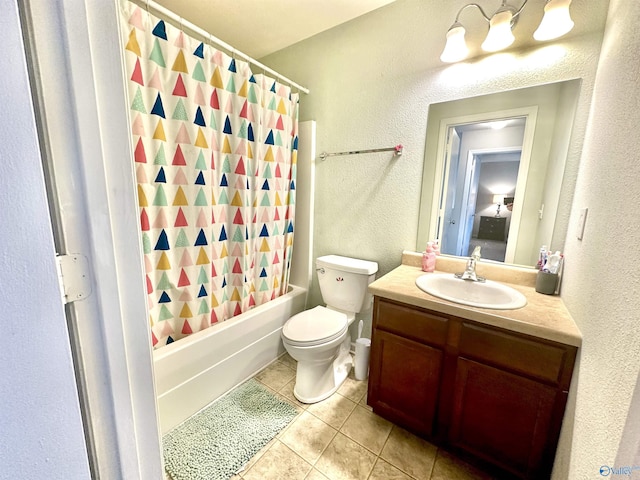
(321, 270)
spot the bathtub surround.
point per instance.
(195, 371)
(215, 152)
(218, 441)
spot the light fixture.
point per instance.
(456, 48)
(500, 35)
(498, 199)
(555, 23)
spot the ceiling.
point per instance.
(230, 20)
(260, 27)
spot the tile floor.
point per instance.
(341, 438)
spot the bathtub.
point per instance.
(194, 371)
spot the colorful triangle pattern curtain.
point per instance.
(215, 150)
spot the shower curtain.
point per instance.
(215, 150)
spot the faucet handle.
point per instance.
(476, 253)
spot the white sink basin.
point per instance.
(486, 294)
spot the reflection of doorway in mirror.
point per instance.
(538, 215)
(490, 226)
(482, 162)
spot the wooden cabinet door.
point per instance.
(502, 417)
(404, 380)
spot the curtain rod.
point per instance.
(150, 4)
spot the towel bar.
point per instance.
(397, 152)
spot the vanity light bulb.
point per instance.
(500, 35)
(556, 21)
(456, 47)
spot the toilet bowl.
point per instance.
(318, 339)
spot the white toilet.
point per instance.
(319, 338)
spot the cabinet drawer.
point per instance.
(410, 322)
(513, 352)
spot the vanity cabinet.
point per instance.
(494, 394)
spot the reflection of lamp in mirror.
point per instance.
(498, 199)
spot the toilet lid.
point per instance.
(315, 326)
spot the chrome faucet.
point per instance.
(470, 271)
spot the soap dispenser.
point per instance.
(429, 258)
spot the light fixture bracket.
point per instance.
(464, 7)
(515, 12)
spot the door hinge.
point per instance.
(75, 280)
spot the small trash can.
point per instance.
(361, 361)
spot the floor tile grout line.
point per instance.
(364, 446)
(435, 460)
(398, 466)
(354, 404)
(338, 430)
(325, 448)
(328, 443)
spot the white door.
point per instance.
(83, 117)
(470, 207)
(451, 211)
(42, 430)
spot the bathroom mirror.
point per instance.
(493, 172)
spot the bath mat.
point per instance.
(218, 441)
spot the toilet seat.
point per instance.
(314, 327)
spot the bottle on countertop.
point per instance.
(436, 247)
(552, 265)
(542, 258)
(429, 258)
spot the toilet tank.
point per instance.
(343, 282)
